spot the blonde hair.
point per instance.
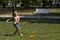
(15, 13)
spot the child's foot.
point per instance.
(21, 34)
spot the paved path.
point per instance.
(50, 17)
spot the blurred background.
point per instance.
(42, 17)
(31, 7)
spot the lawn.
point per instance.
(43, 30)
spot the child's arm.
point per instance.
(8, 20)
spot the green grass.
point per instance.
(40, 30)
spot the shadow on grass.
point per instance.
(51, 21)
(3, 34)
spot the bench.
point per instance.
(42, 11)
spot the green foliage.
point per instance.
(29, 3)
(1, 1)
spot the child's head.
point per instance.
(15, 13)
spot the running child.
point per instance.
(16, 19)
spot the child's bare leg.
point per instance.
(19, 31)
(15, 31)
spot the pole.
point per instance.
(13, 7)
(43, 4)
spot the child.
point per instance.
(16, 19)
